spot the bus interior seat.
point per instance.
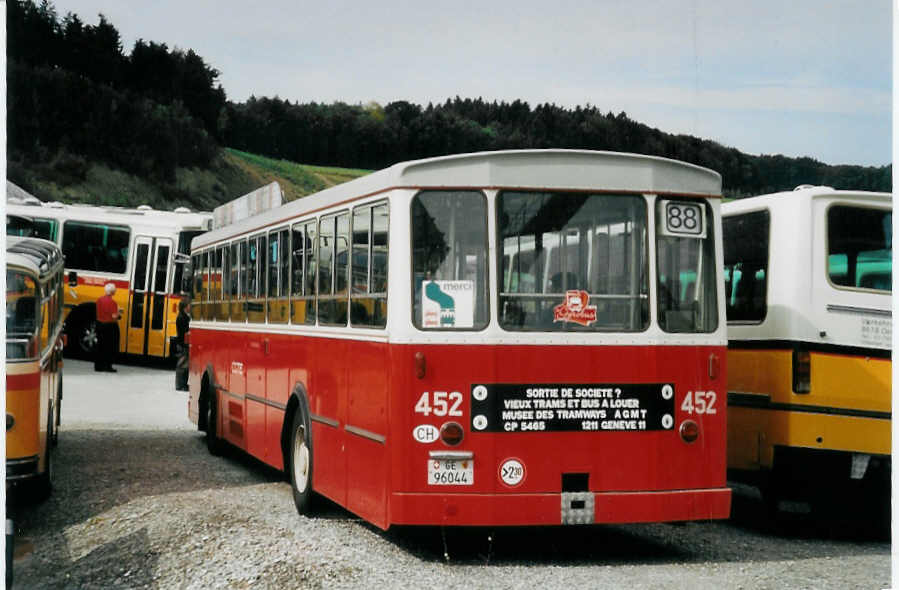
(876, 280)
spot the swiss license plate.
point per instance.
(450, 472)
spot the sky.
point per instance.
(800, 78)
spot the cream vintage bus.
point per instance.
(141, 250)
(808, 297)
(34, 342)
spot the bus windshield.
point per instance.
(572, 262)
(21, 312)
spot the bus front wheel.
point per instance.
(83, 337)
(300, 467)
(43, 484)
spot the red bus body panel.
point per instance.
(362, 397)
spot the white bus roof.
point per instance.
(186, 219)
(553, 169)
(800, 193)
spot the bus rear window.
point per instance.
(687, 298)
(859, 247)
(572, 262)
(449, 260)
(95, 246)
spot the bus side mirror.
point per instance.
(73, 278)
(187, 279)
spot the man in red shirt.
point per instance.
(107, 331)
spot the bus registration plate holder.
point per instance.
(450, 471)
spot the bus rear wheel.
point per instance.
(300, 465)
(213, 442)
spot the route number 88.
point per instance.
(684, 218)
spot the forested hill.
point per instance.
(77, 103)
(372, 136)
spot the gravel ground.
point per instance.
(139, 503)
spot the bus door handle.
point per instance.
(266, 347)
(714, 366)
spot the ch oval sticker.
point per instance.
(425, 433)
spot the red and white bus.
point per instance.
(526, 337)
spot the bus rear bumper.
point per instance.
(459, 509)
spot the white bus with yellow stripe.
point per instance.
(34, 283)
(140, 250)
(808, 296)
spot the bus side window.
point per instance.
(277, 276)
(368, 305)
(746, 246)
(309, 257)
(297, 267)
(256, 261)
(96, 246)
(333, 269)
(859, 247)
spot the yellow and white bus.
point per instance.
(140, 250)
(808, 298)
(34, 342)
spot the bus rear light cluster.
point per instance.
(689, 431)
(802, 371)
(451, 433)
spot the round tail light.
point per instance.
(689, 431)
(451, 433)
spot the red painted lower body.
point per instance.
(546, 509)
(364, 405)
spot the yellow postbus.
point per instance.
(808, 298)
(142, 251)
(34, 343)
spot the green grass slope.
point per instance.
(296, 180)
(73, 179)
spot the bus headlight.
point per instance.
(689, 431)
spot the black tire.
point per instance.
(58, 412)
(213, 443)
(299, 464)
(43, 483)
(82, 337)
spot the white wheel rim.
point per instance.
(300, 460)
(89, 337)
